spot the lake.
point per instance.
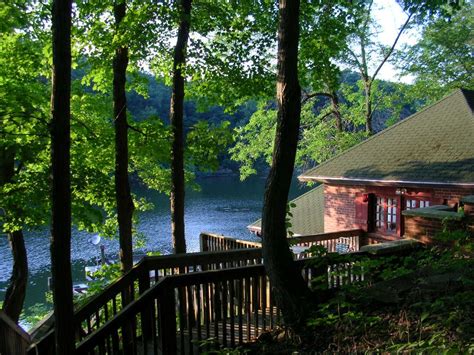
(224, 205)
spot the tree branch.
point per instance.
(90, 130)
(389, 53)
(358, 63)
(332, 112)
(308, 97)
(136, 130)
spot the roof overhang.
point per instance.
(382, 182)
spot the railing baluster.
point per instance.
(207, 318)
(102, 347)
(247, 306)
(115, 342)
(190, 313)
(224, 312)
(134, 335)
(199, 312)
(167, 320)
(255, 304)
(240, 308)
(89, 327)
(182, 317)
(232, 312)
(217, 311)
(263, 281)
(272, 320)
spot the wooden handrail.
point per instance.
(115, 288)
(123, 317)
(94, 315)
(167, 283)
(245, 289)
(327, 236)
(200, 258)
(91, 311)
(13, 339)
(210, 241)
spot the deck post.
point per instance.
(146, 315)
(167, 320)
(203, 241)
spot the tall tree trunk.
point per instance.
(122, 185)
(61, 189)
(336, 111)
(288, 285)
(123, 195)
(15, 295)
(176, 120)
(368, 107)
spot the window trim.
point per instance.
(389, 202)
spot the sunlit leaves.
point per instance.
(442, 60)
(254, 141)
(204, 144)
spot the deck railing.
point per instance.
(215, 242)
(229, 306)
(335, 242)
(150, 270)
(202, 295)
(13, 339)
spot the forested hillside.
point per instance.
(156, 104)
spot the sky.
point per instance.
(391, 17)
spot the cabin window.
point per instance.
(386, 215)
(424, 204)
(391, 215)
(385, 212)
(412, 203)
(379, 216)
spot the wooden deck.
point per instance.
(180, 300)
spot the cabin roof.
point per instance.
(308, 215)
(434, 146)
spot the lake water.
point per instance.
(224, 205)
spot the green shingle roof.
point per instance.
(435, 145)
(308, 215)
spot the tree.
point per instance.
(15, 294)
(176, 121)
(61, 187)
(288, 285)
(335, 106)
(441, 60)
(362, 58)
(22, 133)
(123, 196)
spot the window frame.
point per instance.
(387, 207)
(406, 194)
(416, 202)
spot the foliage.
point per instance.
(442, 58)
(254, 140)
(288, 218)
(205, 143)
(211, 346)
(419, 302)
(24, 130)
(103, 277)
(34, 314)
(320, 138)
